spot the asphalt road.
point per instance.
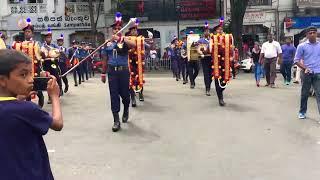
(181, 134)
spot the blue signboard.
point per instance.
(301, 22)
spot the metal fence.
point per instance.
(157, 64)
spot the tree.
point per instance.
(238, 9)
(94, 22)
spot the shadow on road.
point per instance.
(239, 108)
(135, 132)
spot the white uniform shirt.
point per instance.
(271, 50)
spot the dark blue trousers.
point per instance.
(85, 68)
(308, 81)
(207, 72)
(118, 87)
(285, 69)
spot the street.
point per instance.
(181, 134)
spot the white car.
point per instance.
(247, 65)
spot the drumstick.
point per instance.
(108, 40)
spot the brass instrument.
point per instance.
(50, 52)
(184, 53)
(192, 48)
(203, 50)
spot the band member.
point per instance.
(32, 49)
(63, 61)
(50, 53)
(222, 73)
(81, 54)
(74, 61)
(2, 41)
(115, 56)
(183, 60)
(193, 59)
(204, 51)
(90, 61)
(136, 60)
(175, 57)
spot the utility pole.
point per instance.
(177, 7)
(277, 22)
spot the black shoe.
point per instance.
(61, 92)
(177, 79)
(141, 98)
(134, 102)
(79, 82)
(116, 125)
(125, 116)
(192, 86)
(208, 93)
(66, 89)
(221, 102)
(184, 82)
(41, 102)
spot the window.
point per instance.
(24, 1)
(260, 3)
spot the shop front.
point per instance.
(295, 26)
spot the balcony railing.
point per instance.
(31, 8)
(260, 3)
(79, 8)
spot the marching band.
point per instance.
(123, 60)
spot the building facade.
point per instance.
(305, 14)
(68, 17)
(165, 18)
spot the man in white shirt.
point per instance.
(270, 52)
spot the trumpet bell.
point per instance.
(54, 53)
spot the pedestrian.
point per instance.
(206, 59)
(50, 63)
(81, 54)
(72, 51)
(175, 57)
(288, 51)
(30, 45)
(23, 124)
(255, 55)
(220, 83)
(90, 60)
(270, 52)
(63, 62)
(115, 55)
(153, 58)
(184, 60)
(234, 63)
(3, 42)
(193, 64)
(136, 59)
(309, 52)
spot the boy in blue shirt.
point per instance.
(23, 153)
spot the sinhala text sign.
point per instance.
(54, 22)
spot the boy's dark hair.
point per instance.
(9, 59)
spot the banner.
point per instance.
(201, 9)
(53, 22)
(301, 22)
